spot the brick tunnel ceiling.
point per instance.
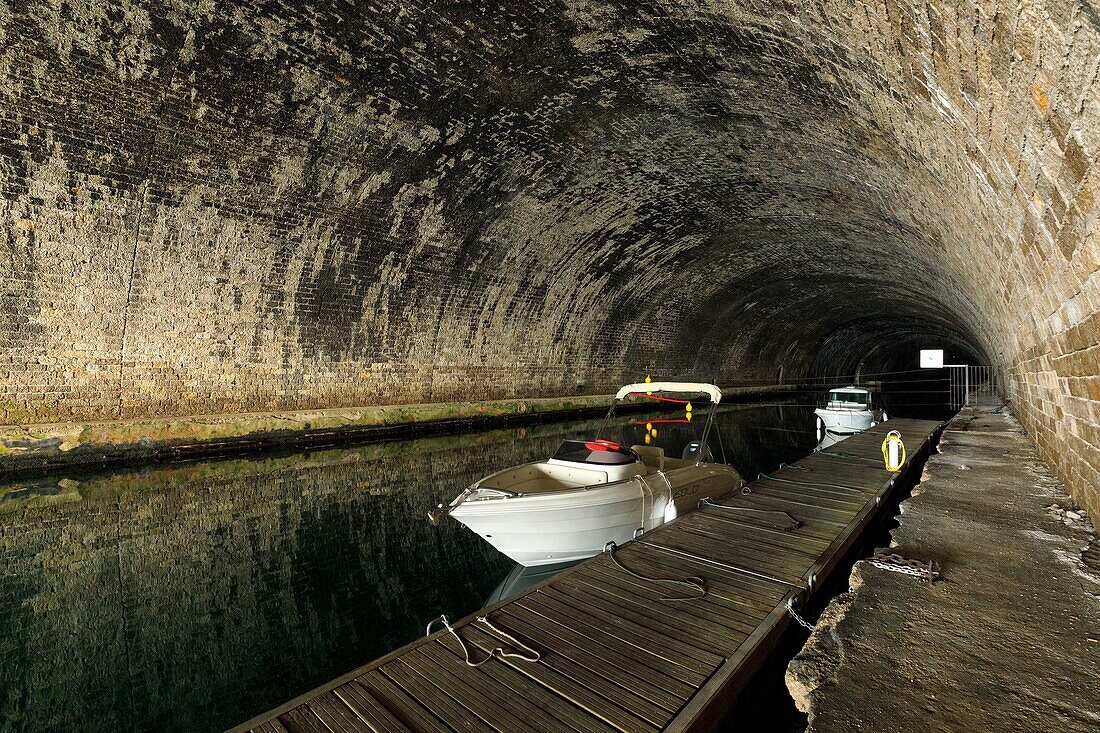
(216, 207)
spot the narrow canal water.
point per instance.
(192, 596)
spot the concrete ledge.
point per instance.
(1009, 639)
(45, 446)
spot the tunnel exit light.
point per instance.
(931, 358)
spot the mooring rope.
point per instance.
(811, 486)
(795, 524)
(842, 454)
(691, 581)
(531, 656)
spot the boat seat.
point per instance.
(652, 456)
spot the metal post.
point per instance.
(957, 385)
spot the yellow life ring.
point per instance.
(893, 451)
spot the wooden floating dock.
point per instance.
(615, 657)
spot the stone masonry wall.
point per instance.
(219, 207)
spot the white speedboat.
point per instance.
(847, 411)
(590, 493)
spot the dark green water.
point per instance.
(190, 597)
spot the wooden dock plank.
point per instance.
(483, 691)
(406, 708)
(815, 495)
(445, 707)
(270, 726)
(337, 716)
(693, 630)
(620, 654)
(727, 588)
(478, 700)
(693, 545)
(613, 662)
(639, 555)
(648, 632)
(754, 521)
(305, 717)
(799, 509)
(368, 709)
(731, 618)
(644, 636)
(792, 553)
(535, 698)
(621, 708)
(793, 539)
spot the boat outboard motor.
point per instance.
(697, 451)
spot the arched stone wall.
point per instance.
(215, 207)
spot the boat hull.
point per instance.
(565, 526)
(846, 422)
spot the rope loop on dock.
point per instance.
(795, 524)
(529, 655)
(845, 454)
(816, 485)
(699, 585)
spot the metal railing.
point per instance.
(973, 385)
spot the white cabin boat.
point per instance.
(590, 493)
(847, 411)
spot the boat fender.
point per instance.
(893, 451)
(670, 507)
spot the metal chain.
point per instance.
(906, 566)
(794, 614)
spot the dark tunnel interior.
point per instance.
(238, 208)
(230, 223)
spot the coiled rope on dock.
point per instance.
(795, 524)
(809, 485)
(699, 585)
(531, 654)
(844, 454)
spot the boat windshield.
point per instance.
(602, 452)
(844, 398)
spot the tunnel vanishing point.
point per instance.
(215, 208)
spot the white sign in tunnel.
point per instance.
(931, 358)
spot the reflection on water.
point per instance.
(190, 597)
(521, 578)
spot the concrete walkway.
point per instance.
(1008, 640)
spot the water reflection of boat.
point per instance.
(590, 493)
(847, 411)
(521, 578)
(829, 439)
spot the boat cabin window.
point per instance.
(846, 397)
(600, 452)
